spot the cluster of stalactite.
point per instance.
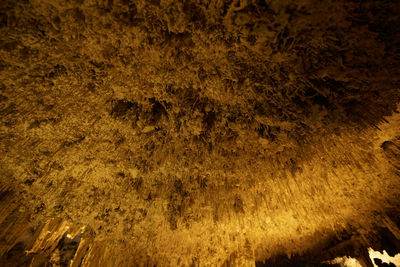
(198, 132)
(58, 243)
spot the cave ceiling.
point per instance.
(201, 133)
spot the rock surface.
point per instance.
(198, 132)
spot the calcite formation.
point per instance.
(198, 133)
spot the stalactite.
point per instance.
(205, 133)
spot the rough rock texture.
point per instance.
(197, 132)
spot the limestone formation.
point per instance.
(198, 133)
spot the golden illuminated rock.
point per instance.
(203, 133)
